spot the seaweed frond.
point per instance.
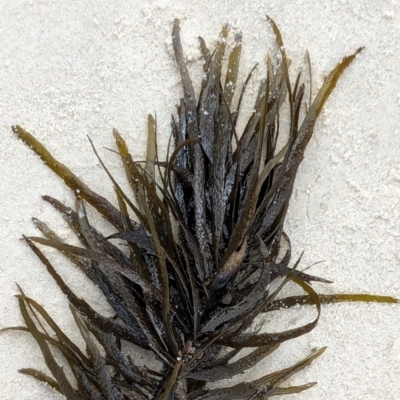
(206, 249)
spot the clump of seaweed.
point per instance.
(205, 248)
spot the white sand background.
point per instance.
(73, 68)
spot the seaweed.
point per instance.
(206, 251)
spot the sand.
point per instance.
(69, 69)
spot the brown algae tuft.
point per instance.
(206, 252)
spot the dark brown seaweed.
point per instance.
(206, 243)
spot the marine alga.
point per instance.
(206, 251)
